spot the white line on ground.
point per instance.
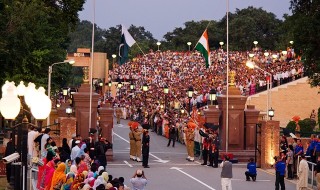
(204, 184)
(127, 163)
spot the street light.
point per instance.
(291, 42)
(113, 59)
(119, 85)
(10, 105)
(189, 44)
(190, 93)
(165, 91)
(255, 43)
(69, 111)
(71, 62)
(251, 65)
(266, 54)
(221, 44)
(132, 86)
(271, 113)
(158, 44)
(145, 89)
(213, 96)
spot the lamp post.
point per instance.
(213, 96)
(165, 91)
(271, 113)
(69, 111)
(109, 85)
(113, 59)
(145, 88)
(71, 62)
(221, 44)
(251, 65)
(10, 105)
(190, 93)
(189, 44)
(119, 86)
(158, 44)
(132, 88)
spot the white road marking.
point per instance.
(127, 163)
(180, 170)
(158, 159)
(197, 162)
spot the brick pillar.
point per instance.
(235, 117)
(106, 124)
(270, 136)
(252, 116)
(212, 115)
(67, 129)
(82, 106)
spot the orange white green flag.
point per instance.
(203, 47)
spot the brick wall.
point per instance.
(67, 129)
(295, 98)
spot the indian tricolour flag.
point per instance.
(203, 47)
(126, 42)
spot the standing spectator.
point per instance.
(302, 173)
(317, 173)
(290, 162)
(101, 149)
(145, 148)
(172, 135)
(32, 134)
(252, 170)
(139, 181)
(226, 173)
(44, 138)
(65, 146)
(298, 151)
(75, 151)
(280, 168)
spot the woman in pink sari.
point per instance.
(48, 174)
(42, 168)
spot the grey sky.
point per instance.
(162, 16)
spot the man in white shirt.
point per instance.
(32, 134)
(44, 138)
(75, 151)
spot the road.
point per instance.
(170, 170)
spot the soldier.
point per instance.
(216, 144)
(132, 145)
(118, 114)
(205, 148)
(137, 137)
(190, 143)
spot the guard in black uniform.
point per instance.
(215, 149)
(145, 148)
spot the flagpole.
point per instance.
(227, 114)
(91, 63)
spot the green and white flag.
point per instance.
(126, 42)
(203, 47)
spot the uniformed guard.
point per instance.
(132, 145)
(206, 142)
(137, 137)
(216, 144)
(190, 143)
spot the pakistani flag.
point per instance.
(126, 42)
(203, 47)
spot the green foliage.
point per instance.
(305, 26)
(291, 126)
(306, 127)
(33, 35)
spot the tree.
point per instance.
(252, 24)
(305, 24)
(33, 36)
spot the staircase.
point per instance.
(288, 100)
